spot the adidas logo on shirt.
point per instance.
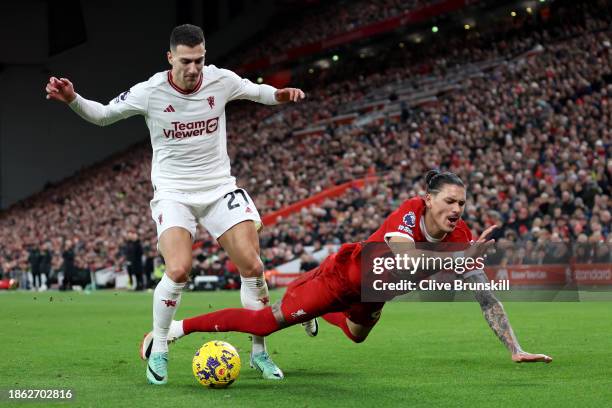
(169, 109)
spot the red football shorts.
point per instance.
(325, 289)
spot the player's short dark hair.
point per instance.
(435, 180)
(186, 34)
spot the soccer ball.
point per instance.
(216, 364)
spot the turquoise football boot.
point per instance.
(157, 368)
(265, 365)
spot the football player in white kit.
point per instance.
(184, 109)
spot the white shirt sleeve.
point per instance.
(129, 103)
(390, 235)
(242, 88)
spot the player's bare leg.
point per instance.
(241, 243)
(175, 246)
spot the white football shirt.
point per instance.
(188, 131)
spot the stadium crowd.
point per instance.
(314, 24)
(530, 137)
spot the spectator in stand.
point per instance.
(307, 262)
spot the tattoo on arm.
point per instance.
(495, 314)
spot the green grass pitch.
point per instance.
(419, 355)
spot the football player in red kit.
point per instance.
(333, 290)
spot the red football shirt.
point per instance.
(407, 221)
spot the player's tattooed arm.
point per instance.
(495, 315)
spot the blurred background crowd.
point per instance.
(520, 110)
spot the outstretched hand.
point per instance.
(524, 357)
(482, 244)
(289, 95)
(60, 90)
(484, 237)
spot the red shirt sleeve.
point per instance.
(402, 222)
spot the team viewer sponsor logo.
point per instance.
(181, 130)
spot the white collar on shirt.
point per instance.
(428, 237)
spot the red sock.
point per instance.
(339, 319)
(257, 322)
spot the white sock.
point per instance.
(176, 329)
(166, 299)
(254, 296)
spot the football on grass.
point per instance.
(216, 364)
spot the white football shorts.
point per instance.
(217, 210)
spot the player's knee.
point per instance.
(252, 269)
(357, 332)
(178, 273)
